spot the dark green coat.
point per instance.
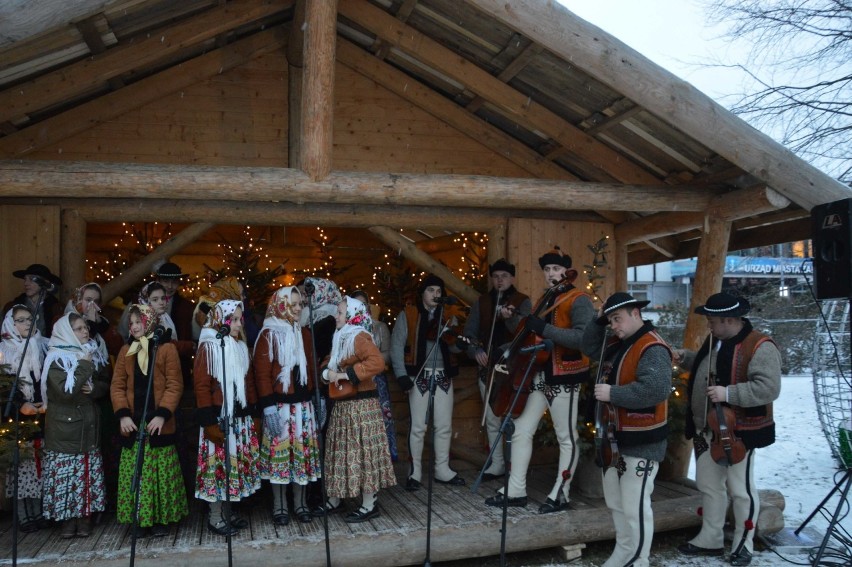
(72, 421)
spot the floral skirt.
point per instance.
(162, 497)
(387, 416)
(29, 472)
(73, 485)
(245, 470)
(294, 455)
(357, 457)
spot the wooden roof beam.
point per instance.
(668, 97)
(515, 104)
(382, 48)
(508, 73)
(73, 80)
(90, 34)
(155, 87)
(729, 206)
(20, 178)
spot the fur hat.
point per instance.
(555, 256)
(619, 300)
(501, 265)
(724, 305)
(430, 280)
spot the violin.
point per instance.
(606, 445)
(726, 448)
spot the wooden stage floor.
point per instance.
(462, 527)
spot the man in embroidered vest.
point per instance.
(634, 390)
(412, 342)
(555, 388)
(746, 365)
(492, 323)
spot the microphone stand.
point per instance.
(507, 429)
(225, 425)
(488, 359)
(309, 290)
(430, 408)
(140, 446)
(7, 413)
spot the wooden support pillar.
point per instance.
(144, 266)
(72, 251)
(422, 260)
(295, 76)
(318, 88)
(496, 243)
(620, 263)
(709, 269)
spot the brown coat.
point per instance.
(270, 390)
(167, 388)
(208, 392)
(364, 364)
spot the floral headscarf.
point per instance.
(65, 350)
(325, 299)
(226, 288)
(165, 319)
(284, 334)
(236, 359)
(139, 346)
(101, 356)
(358, 321)
(12, 347)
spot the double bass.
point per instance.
(507, 380)
(726, 448)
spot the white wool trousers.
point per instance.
(492, 428)
(442, 421)
(628, 497)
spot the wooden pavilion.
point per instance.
(390, 119)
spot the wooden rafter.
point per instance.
(508, 73)
(382, 48)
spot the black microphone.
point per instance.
(224, 331)
(204, 308)
(546, 344)
(162, 334)
(448, 300)
(48, 286)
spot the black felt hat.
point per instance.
(169, 270)
(39, 270)
(724, 305)
(501, 265)
(619, 300)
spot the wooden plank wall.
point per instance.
(28, 235)
(528, 240)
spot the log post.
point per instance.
(496, 245)
(72, 250)
(295, 76)
(422, 260)
(143, 267)
(709, 269)
(620, 263)
(318, 88)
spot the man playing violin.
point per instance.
(635, 383)
(746, 365)
(556, 387)
(412, 340)
(492, 322)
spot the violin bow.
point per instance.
(488, 359)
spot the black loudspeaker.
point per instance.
(832, 235)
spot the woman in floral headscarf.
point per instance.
(16, 326)
(224, 386)
(283, 367)
(73, 467)
(357, 458)
(162, 498)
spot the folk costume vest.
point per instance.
(643, 425)
(568, 366)
(486, 315)
(754, 425)
(419, 328)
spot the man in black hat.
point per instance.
(556, 388)
(180, 310)
(632, 394)
(746, 365)
(36, 277)
(412, 340)
(492, 323)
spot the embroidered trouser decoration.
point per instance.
(628, 496)
(442, 421)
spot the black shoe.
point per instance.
(141, 533)
(689, 549)
(497, 501)
(741, 558)
(489, 477)
(239, 523)
(320, 511)
(455, 481)
(28, 527)
(550, 506)
(362, 515)
(281, 518)
(160, 530)
(412, 485)
(304, 515)
(221, 528)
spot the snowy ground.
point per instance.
(799, 465)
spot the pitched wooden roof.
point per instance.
(562, 99)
